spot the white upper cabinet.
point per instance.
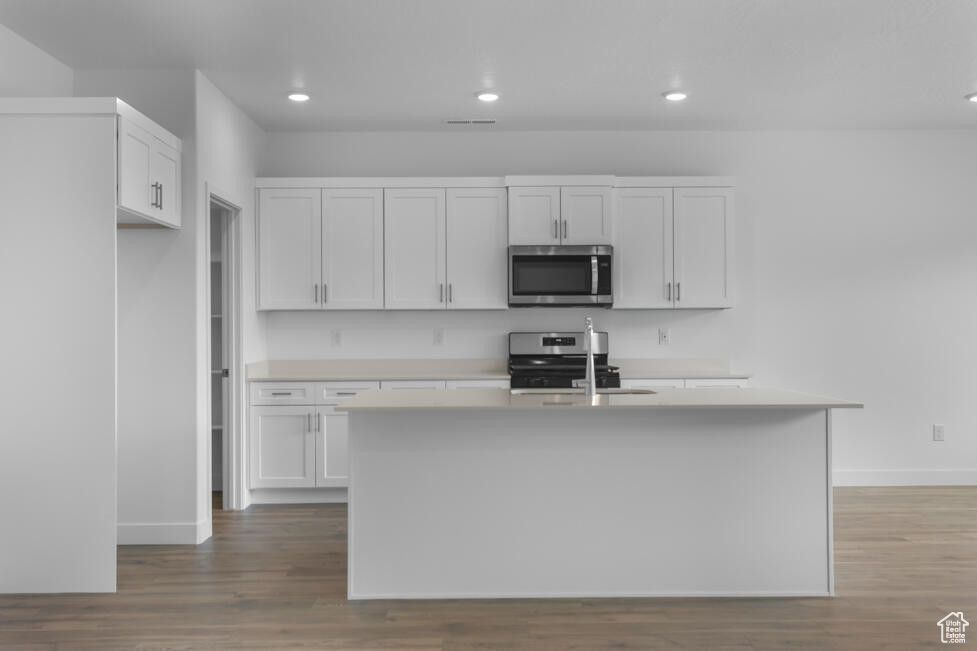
(414, 243)
(352, 249)
(703, 247)
(534, 216)
(289, 249)
(477, 238)
(136, 190)
(643, 248)
(560, 215)
(149, 175)
(586, 215)
(164, 169)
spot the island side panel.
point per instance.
(571, 502)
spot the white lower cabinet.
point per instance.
(332, 442)
(300, 445)
(282, 447)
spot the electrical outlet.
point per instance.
(938, 431)
(439, 336)
(337, 337)
(664, 336)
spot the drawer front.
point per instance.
(412, 384)
(282, 393)
(477, 384)
(330, 393)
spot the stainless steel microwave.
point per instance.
(560, 275)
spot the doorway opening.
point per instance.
(224, 371)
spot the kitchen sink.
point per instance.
(579, 391)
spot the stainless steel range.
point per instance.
(544, 360)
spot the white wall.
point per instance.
(58, 352)
(164, 315)
(855, 271)
(29, 71)
(228, 144)
(158, 282)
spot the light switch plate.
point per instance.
(938, 432)
(664, 336)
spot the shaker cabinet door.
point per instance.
(289, 249)
(534, 216)
(586, 213)
(352, 249)
(282, 446)
(414, 249)
(643, 248)
(477, 255)
(703, 247)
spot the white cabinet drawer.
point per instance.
(717, 382)
(334, 392)
(282, 393)
(412, 384)
(477, 384)
(659, 383)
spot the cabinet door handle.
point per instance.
(678, 291)
(160, 196)
(556, 229)
(308, 422)
(345, 393)
(451, 292)
(668, 291)
(281, 393)
(315, 292)
(441, 294)
(155, 200)
(565, 229)
(325, 289)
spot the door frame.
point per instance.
(233, 447)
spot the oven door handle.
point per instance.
(594, 276)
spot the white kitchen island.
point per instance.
(685, 492)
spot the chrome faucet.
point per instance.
(590, 379)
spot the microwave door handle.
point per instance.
(594, 277)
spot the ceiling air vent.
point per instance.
(469, 122)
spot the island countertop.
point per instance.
(705, 397)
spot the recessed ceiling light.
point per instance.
(298, 97)
(674, 96)
(487, 96)
(971, 97)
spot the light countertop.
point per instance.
(329, 370)
(348, 370)
(473, 399)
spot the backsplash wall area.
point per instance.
(482, 334)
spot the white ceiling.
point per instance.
(558, 64)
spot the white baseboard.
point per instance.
(163, 533)
(964, 477)
(298, 496)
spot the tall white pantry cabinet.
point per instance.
(63, 194)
